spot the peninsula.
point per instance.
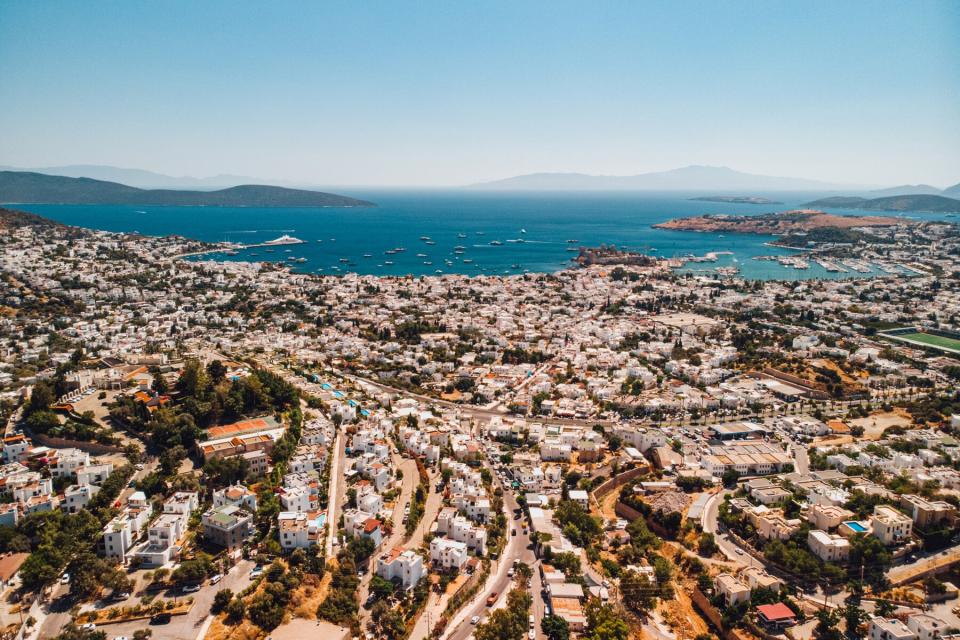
(916, 202)
(782, 223)
(735, 199)
(36, 188)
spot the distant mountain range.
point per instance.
(692, 178)
(915, 202)
(37, 188)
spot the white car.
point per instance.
(474, 619)
(532, 634)
(89, 627)
(65, 578)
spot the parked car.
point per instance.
(160, 618)
(217, 578)
(190, 588)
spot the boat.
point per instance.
(399, 249)
(430, 242)
(388, 262)
(421, 255)
(389, 252)
(514, 266)
(368, 255)
(284, 239)
(572, 249)
(319, 240)
(269, 250)
(231, 253)
(288, 250)
(424, 238)
(467, 261)
(480, 233)
(300, 260)
(461, 235)
(427, 262)
(572, 241)
(523, 230)
(496, 243)
(439, 271)
(344, 260)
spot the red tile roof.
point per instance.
(776, 612)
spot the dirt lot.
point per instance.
(874, 425)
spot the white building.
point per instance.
(405, 566)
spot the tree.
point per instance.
(730, 477)
(707, 545)
(639, 593)
(217, 372)
(604, 622)
(884, 608)
(510, 623)
(41, 397)
(236, 610)
(826, 628)
(221, 600)
(555, 628)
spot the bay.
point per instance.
(451, 231)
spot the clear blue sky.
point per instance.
(443, 93)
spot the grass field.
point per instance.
(933, 340)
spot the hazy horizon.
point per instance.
(440, 95)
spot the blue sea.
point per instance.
(535, 230)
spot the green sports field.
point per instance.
(931, 339)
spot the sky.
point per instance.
(452, 93)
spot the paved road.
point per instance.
(336, 491)
(409, 482)
(517, 548)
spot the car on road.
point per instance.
(65, 578)
(532, 634)
(492, 599)
(474, 619)
(217, 578)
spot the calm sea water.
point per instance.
(340, 240)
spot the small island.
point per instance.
(735, 199)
